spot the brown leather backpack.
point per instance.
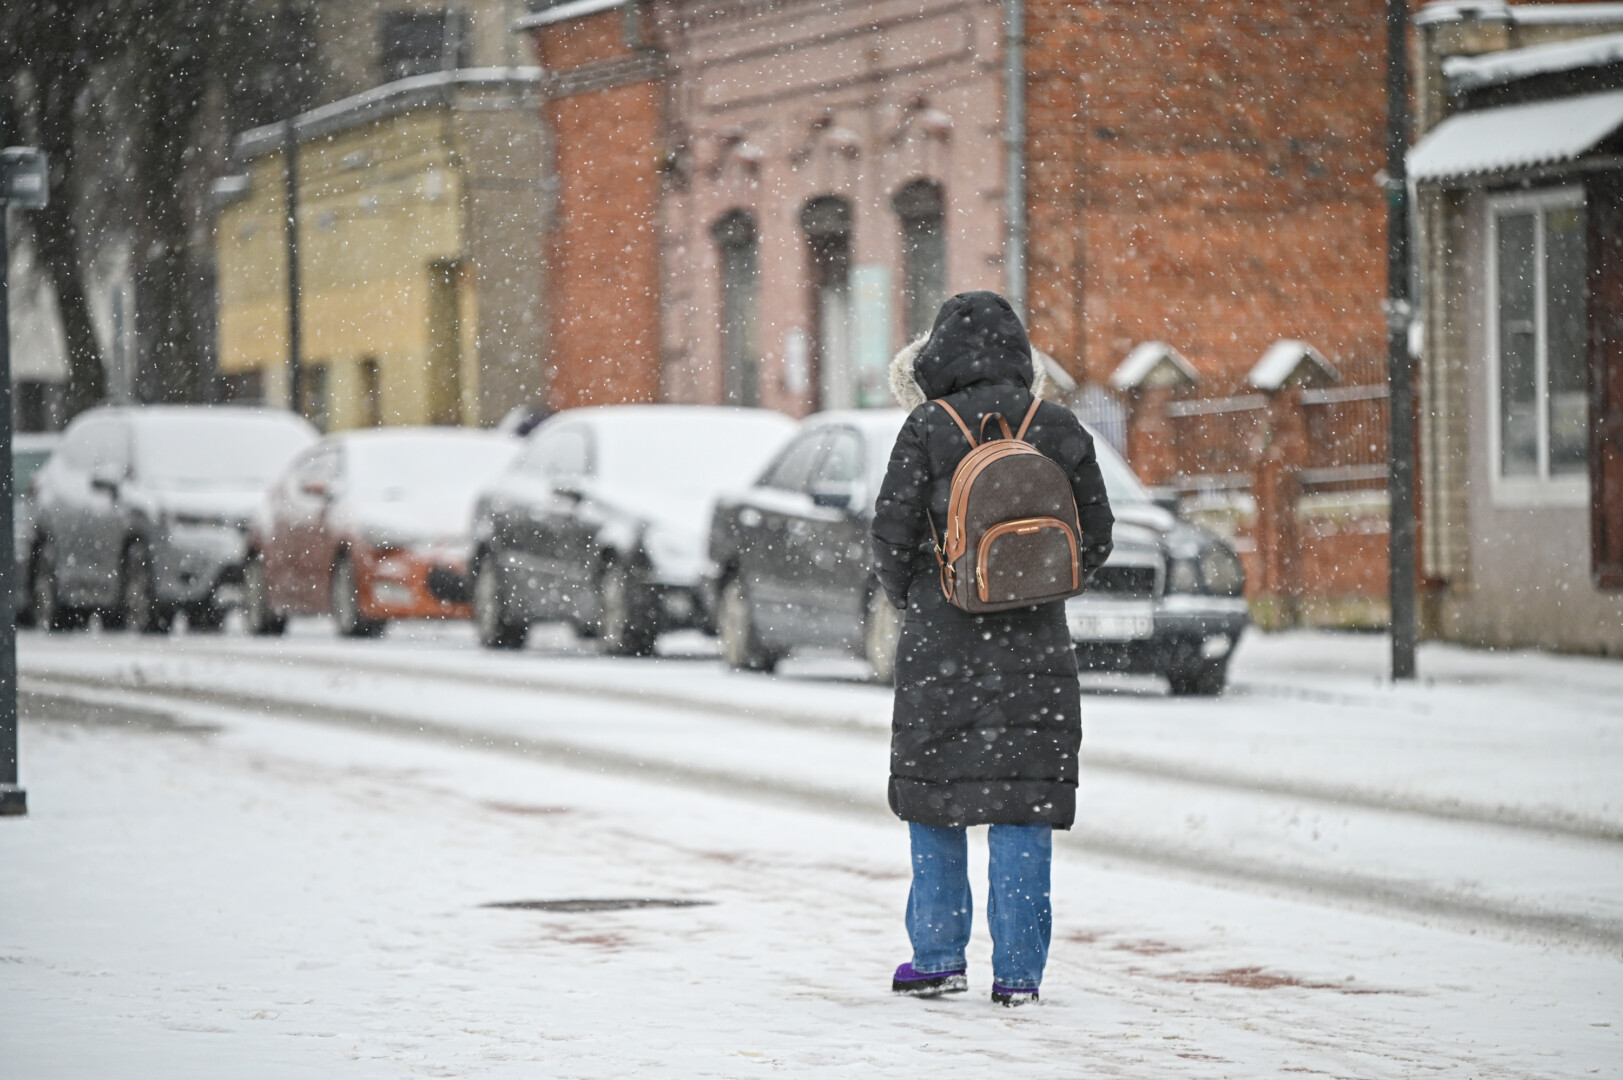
(1013, 536)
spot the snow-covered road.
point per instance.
(1456, 845)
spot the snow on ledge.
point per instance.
(1470, 72)
(1445, 11)
(576, 9)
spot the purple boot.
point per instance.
(918, 984)
(1013, 996)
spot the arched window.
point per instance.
(734, 234)
(826, 221)
(924, 252)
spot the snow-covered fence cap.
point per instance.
(1153, 364)
(1055, 371)
(1292, 363)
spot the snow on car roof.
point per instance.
(708, 447)
(680, 414)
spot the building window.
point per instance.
(313, 394)
(740, 286)
(924, 252)
(826, 221)
(241, 387)
(371, 393)
(417, 43)
(1538, 348)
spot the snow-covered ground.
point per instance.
(269, 858)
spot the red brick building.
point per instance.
(756, 199)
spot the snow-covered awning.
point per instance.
(1515, 137)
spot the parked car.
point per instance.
(142, 512)
(29, 453)
(793, 567)
(601, 522)
(370, 526)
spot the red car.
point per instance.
(371, 526)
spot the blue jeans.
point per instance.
(940, 907)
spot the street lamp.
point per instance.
(25, 184)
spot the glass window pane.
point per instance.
(1518, 412)
(1566, 355)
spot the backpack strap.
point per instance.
(959, 420)
(1002, 423)
(1031, 414)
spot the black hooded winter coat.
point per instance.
(987, 719)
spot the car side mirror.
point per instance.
(108, 478)
(567, 489)
(834, 497)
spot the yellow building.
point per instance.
(420, 213)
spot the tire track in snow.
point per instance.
(1094, 760)
(76, 692)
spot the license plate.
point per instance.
(1092, 624)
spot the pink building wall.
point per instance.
(774, 104)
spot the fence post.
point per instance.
(1283, 372)
(1150, 375)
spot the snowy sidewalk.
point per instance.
(275, 899)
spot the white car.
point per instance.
(603, 520)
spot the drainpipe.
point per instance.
(1014, 165)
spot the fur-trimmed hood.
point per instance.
(977, 340)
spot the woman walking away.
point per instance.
(987, 717)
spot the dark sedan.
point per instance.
(601, 520)
(792, 567)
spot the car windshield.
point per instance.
(216, 449)
(677, 450)
(404, 468)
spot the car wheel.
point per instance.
(205, 617)
(735, 627)
(114, 618)
(880, 633)
(48, 613)
(1199, 680)
(624, 623)
(139, 607)
(256, 609)
(496, 630)
(346, 603)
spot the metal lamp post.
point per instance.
(24, 183)
(1400, 485)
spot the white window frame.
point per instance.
(1543, 489)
